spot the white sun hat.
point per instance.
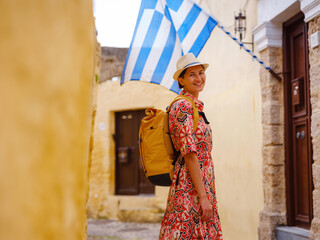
(187, 60)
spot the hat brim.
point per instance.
(178, 72)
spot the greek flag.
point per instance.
(165, 30)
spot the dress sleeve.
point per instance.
(181, 127)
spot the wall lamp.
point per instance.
(240, 26)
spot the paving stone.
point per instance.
(105, 229)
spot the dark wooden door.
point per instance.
(130, 179)
(297, 115)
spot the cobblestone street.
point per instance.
(104, 229)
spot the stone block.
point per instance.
(315, 229)
(315, 124)
(272, 135)
(316, 150)
(273, 155)
(316, 203)
(272, 92)
(315, 99)
(314, 25)
(314, 60)
(274, 175)
(275, 198)
(315, 92)
(316, 175)
(268, 222)
(110, 208)
(270, 218)
(151, 215)
(136, 201)
(272, 114)
(275, 57)
(266, 232)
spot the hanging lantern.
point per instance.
(240, 24)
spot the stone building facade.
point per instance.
(112, 62)
(111, 99)
(314, 60)
(268, 36)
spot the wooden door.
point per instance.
(130, 179)
(297, 119)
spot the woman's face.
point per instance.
(194, 80)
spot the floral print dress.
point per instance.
(182, 219)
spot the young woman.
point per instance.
(191, 211)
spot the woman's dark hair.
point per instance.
(182, 76)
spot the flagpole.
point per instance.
(251, 53)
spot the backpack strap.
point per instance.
(195, 125)
(195, 109)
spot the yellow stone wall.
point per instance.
(232, 100)
(112, 98)
(46, 70)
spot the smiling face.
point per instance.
(194, 80)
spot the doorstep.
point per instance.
(291, 233)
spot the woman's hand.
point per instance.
(206, 207)
(194, 169)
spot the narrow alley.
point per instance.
(103, 229)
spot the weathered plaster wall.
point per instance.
(46, 70)
(112, 98)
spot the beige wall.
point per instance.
(233, 104)
(46, 70)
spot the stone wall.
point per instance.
(274, 212)
(314, 60)
(112, 62)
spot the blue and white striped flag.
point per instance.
(165, 30)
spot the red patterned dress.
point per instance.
(182, 219)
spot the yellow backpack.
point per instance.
(156, 149)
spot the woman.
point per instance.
(191, 211)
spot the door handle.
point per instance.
(300, 135)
